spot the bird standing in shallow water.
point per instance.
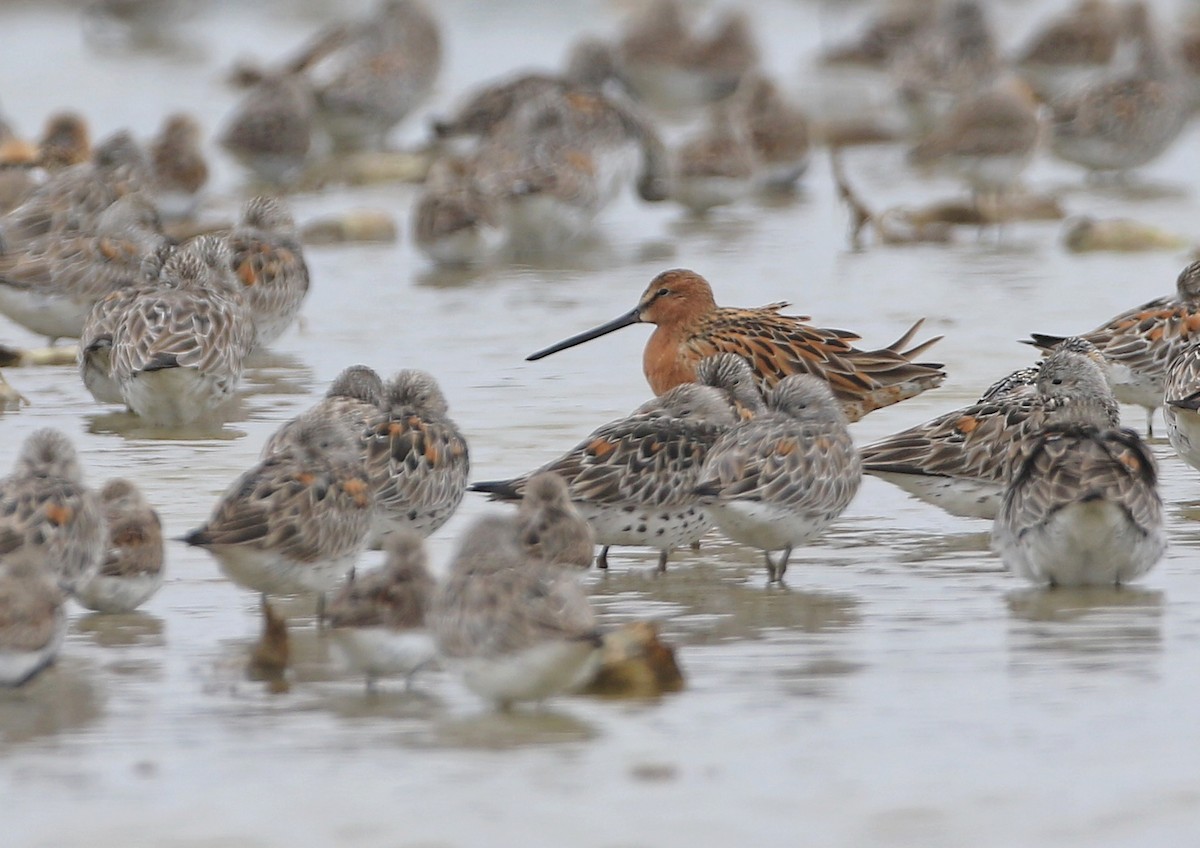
(519, 628)
(377, 620)
(296, 522)
(1082, 509)
(132, 569)
(690, 326)
(780, 478)
(633, 478)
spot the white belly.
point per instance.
(174, 397)
(1085, 544)
(534, 674)
(766, 526)
(111, 594)
(382, 651)
(271, 574)
(958, 496)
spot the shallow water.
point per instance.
(903, 690)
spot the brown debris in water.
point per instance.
(636, 663)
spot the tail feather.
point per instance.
(1043, 341)
(499, 490)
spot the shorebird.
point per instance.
(959, 461)
(72, 199)
(179, 168)
(65, 142)
(715, 167)
(296, 522)
(375, 73)
(518, 628)
(550, 527)
(1082, 509)
(1072, 50)
(950, 58)
(455, 222)
(50, 284)
(1124, 121)
(885, 35)
(666, 62)
(132, 570)
(778, 132)
(987, 140)
(179, 346)
(377, 620)
(632, 479)
(1024, 380)
(1140, 342)
(268, 263)
(270, 132)
(416, 457)
(690, 326)
(559, 159)
(778, 480)
(48, 517)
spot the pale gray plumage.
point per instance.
(47, 515)
(1082, 508)
(778, 479)
(521, 629)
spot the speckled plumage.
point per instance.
(416, 457)
(690, 326)
(1023, 381)
(179, 346)
(1140, 342)
(296, 521)
(132, 570)
(1181, 404)
(268, 262)
(1082, 509)
(48, 517)
(777, 480)
(633, 479)
(960, 460)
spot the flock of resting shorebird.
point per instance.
(748, 427)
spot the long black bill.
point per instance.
(630, 317)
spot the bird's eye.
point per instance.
(1057, 381)
(663, 292)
